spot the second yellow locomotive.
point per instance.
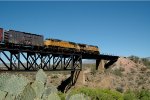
(65, 45)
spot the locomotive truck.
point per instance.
(29, 39)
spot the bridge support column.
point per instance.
(100, 65)
(14, 60)
(79, 78)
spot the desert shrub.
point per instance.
(134, 58)
(119, 89)
(137, 95)
(62, 95)
(117, 71)
(143, 94)
(54, 76)
(93, 71)
(129, 95)
(99, 94)
(146, 62)
(78, 97)
(114, 94)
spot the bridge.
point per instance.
(49, 60)
(32, 58)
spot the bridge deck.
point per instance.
(100, 56)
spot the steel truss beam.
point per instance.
(37, 60)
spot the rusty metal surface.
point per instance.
(1, 34)
(16, 37)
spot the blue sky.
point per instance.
(119, 28)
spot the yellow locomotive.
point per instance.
(71, 46)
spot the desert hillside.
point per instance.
(123, 75)
(126, 79)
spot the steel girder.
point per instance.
(32, 61)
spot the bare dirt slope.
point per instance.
(122, 75)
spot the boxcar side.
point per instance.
(23, 38)
(1, 34)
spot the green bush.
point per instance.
(62, 95)
(143, 94)
(129, 95)
(137, 95)
(77, 97)
(99, 94)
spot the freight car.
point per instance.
(21, 38)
